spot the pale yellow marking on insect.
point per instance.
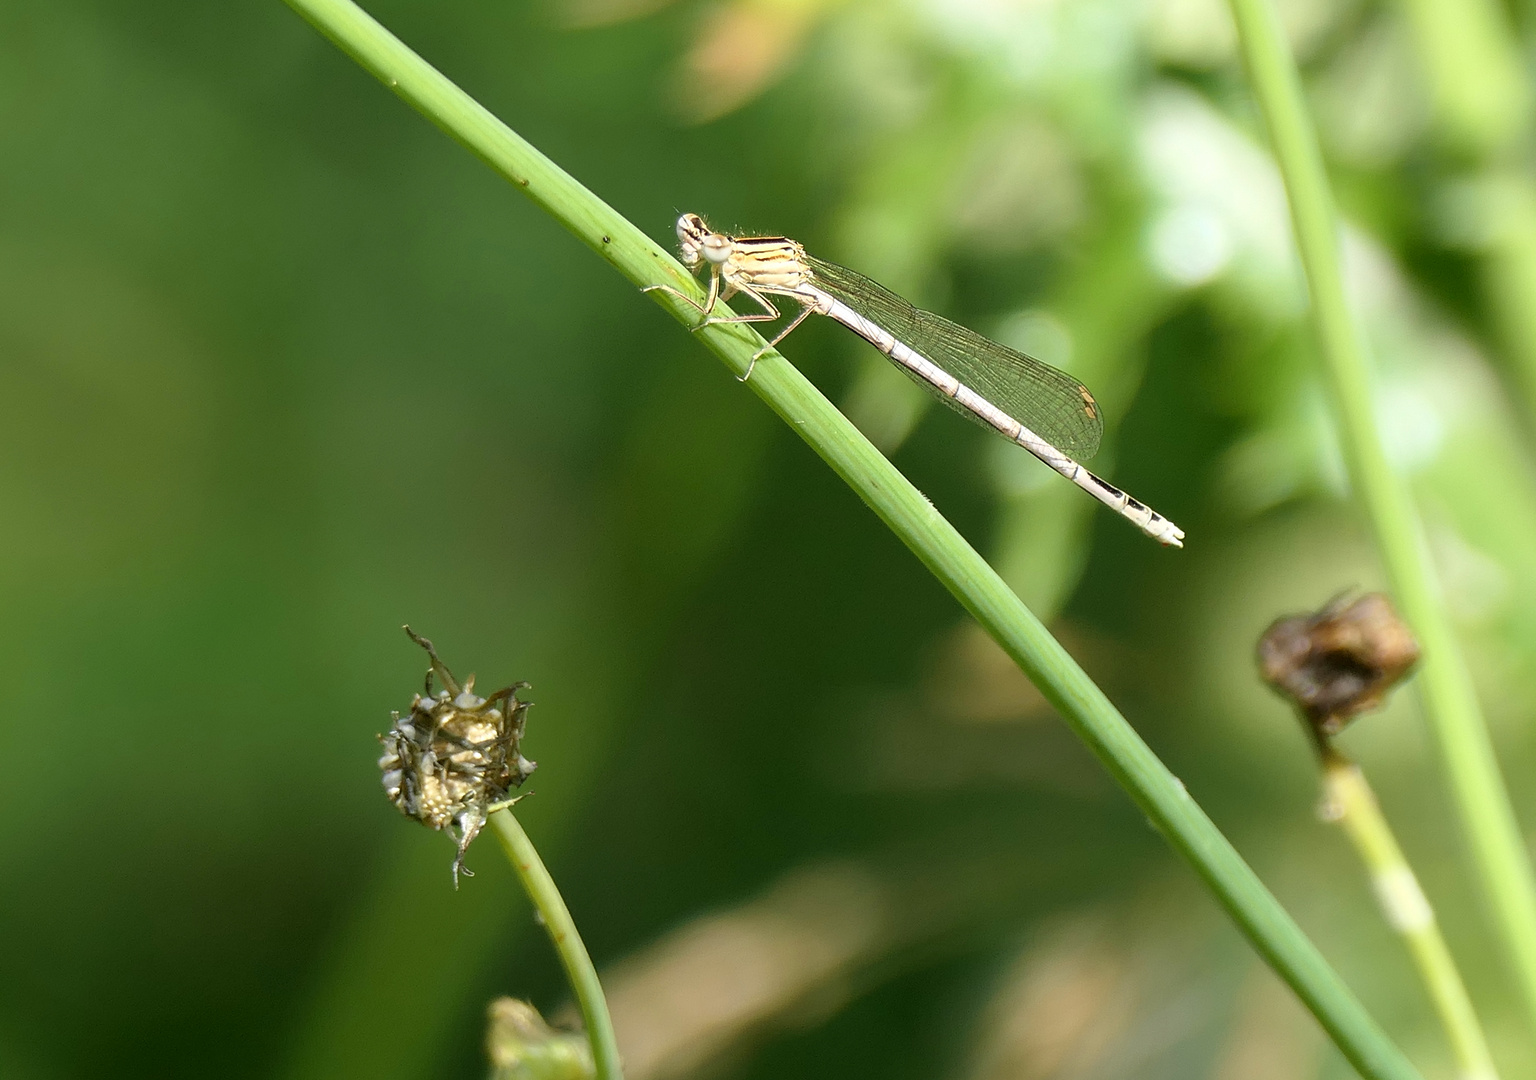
(1090, 407)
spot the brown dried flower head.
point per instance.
(1340, 661)
(451, 760)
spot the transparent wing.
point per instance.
(1049, 402)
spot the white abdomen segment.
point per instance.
(1139, 513)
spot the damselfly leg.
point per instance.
(770, 312)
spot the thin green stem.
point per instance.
(562, 932)
(1481, 92)
(1477, 789)
(910, 516)
(1354, 807)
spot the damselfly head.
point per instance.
(691, 232)
(699, 243)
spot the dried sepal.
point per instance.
(1338, 662)
(451, 760)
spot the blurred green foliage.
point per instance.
(269, 395)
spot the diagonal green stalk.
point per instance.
(568, 944)
(1477, 789)
(909, 515)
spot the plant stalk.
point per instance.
(1352, 803)
(1477, 789)
(1471, 59)
(908, 514)
(567, 941)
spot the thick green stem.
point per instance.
(562, 931)
(1353, 805)
(909, 515)
(1477, 789)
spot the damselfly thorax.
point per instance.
(767, 262)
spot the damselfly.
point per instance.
(1044, 410)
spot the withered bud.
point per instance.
(522, 1046)
(1339, 662)
(452, 759)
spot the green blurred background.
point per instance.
(282, 368)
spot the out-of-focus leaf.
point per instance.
(587, 14)
(740, 48)
(1472, 60)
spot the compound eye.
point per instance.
(716, 248)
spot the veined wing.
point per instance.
(1049, 402)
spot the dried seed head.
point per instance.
(454, 756)
(1339, 662)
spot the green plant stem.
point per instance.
(562, 932)
(1477, 789)
(1353, 805)
(909, 515)
(1481, 91)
